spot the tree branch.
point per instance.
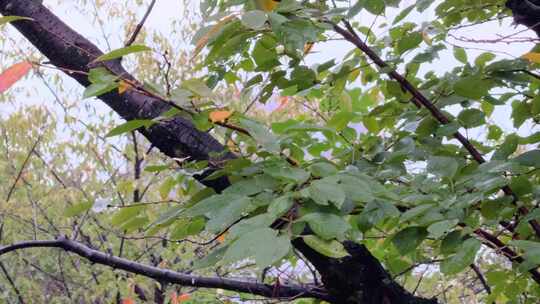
(177, 138)
(168, 276)
(419, 101)
(74, 54)
(141, 24)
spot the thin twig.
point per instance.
(12, 283)
(141, 24)
(10, 192)
(481, 278)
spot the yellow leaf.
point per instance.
(13, 74)
(532, 57)
(219, 116)
(123, 87)
(203, 41)
(267, 5)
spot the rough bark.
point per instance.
(526, 12)
(169, 276)
(359, 278)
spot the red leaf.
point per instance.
(13, 74)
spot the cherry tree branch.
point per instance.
(169, 276)
(420, 100)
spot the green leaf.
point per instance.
(7, 19)
(326, 225)
(409, 239)
(251, 224)
(135, 223)
(326, 191)
(404, 13)
(451, 242)
(254, 19)
(531, 250)
(78, 209)
(472, 118)
(98, 89)
(460, 55)
(129, 126)
(221, 210)
(444, 167)
(281, 205)
(472, 87)
(438, 229)
(122, 52)
(483, 58)
(341, 120)
(529, 159)
(264, 245)
(376, 7)
(415, 212)
(409, 42)
(333, 249)
(261, 135)
(463, 258)
(187, 227)
(356, 189)
(290, 174)
(375, 212)
(508, 148)
(210, 260)
(197, 87)
(322, 169)
(127, 213)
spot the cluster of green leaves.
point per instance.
(403, 180)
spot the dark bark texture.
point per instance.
(526, 12)
(359, 278)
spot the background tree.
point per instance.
(386, 175)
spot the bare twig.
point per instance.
(141, 24)
(481, 278)
(12, 283)
(26, 160)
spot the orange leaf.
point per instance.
(13, 74)
(219, 116)
(128, 301)
(308, 47)
(123, 87)
(283, 102)
(221, 238)
(174, 297)
(203, 41)
(184, 297)
(532, 57)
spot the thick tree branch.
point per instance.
(168, 276)
(526, 12)
(69, 51)
(359, 278)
